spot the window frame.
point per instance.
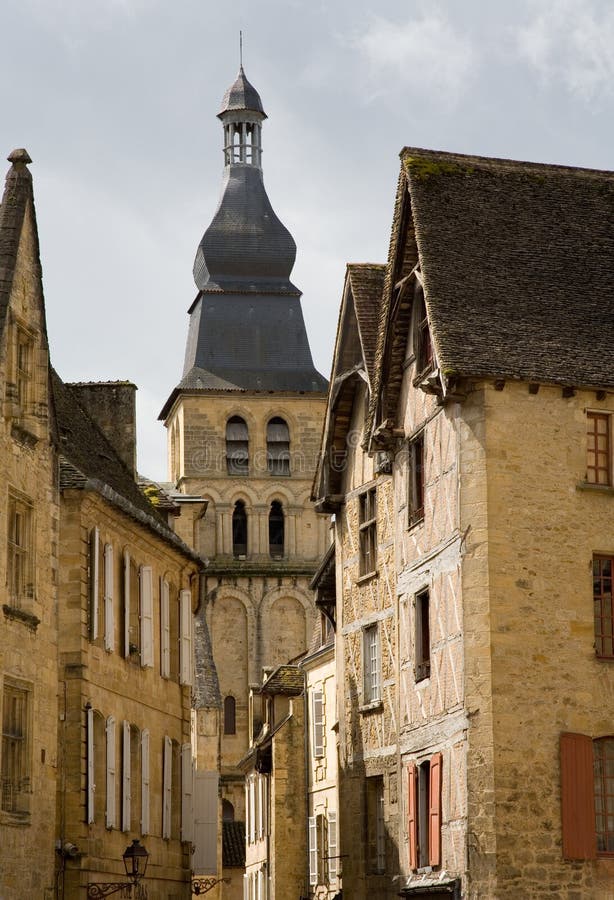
(367, 533)
(237, 448)
(278, 449)
(17, 746)
(416, 457)
(593, 436)
(423, 348)
(600, 599)
(371, 665)
(20, 550)
(422, 634)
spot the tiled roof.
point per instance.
(89, 462)
(284, 680)
(518, 266)
(367, 282)
(233, 845)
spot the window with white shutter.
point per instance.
(94, 581)
(126, 776)
(332, 846)
(252, 809)
(313, 851)
(126, 604)
(109, 620)
(185, 615)
(318, 723)
(187, 789)
(91, 786)
(145, 782)
(261, 784)
(111, 778)
(165, 629)
(146, 605)
(167, 784)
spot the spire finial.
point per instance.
(241, 49)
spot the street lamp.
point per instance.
(135, 860)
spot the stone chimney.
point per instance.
(112, 406)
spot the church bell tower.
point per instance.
(244, 426)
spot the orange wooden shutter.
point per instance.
(435, 811)
(412, 815)
(577, 797)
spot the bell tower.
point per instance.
(244, 426)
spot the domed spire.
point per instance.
(241, 96)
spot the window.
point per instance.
(230, 725)
(598, 453)
(186, 642)
(371, 664)
(96, 765)
(423, 345)
(415, 480)
(423, 636)
(318, 723)
(376, 831)
(146, 608)
(278, 447)
(602, 606)
(15, 749)
(239, 530)
(424, 812)
(228, 811)
(367, 532)
(24, 370)
(19, 551)
(587, 796)
(319, 832)
(276, 530)
(237, 446)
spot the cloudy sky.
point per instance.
(116, 102)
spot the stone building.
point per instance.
(244, 426)
(492, 398)
(29, 518)
(275, 785)
(357, 488)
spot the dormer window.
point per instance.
(423, 345)
(237, 446)
(278, 447)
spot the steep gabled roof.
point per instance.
(517, 262)
(88, 461)
(353, 363)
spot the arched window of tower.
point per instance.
(237, 452)
(278, 447)
(276, 530)
(228, 811)
(230, 725)
(239, 530)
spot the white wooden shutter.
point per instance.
(167, 785)
(260, 805)
(252, 809)
(91, 787)
(332, 846)
(146, 590)
(185, 615)
(145, 782)
(126, 604)
(94, 581)
(313, 851)
(165, 630)
(109, 621)
(246, 887)
(187, 790)
(206, 805)
(247, 821)
(126, 777)
(110, 818)
(318, 724)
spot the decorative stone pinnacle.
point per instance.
(19, 156)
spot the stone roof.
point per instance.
(233, 845)
(241, 95)
(517, 260)
(367, 282)
(88, 461)
(206, 693)
(285, 679)
(18, 193)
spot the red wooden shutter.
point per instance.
(435, 811)
(577, 797)
(412, 815)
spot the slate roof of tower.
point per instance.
(17, 193)
(88, 461)
(206, 692)
(241, 95)
(517, 260)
